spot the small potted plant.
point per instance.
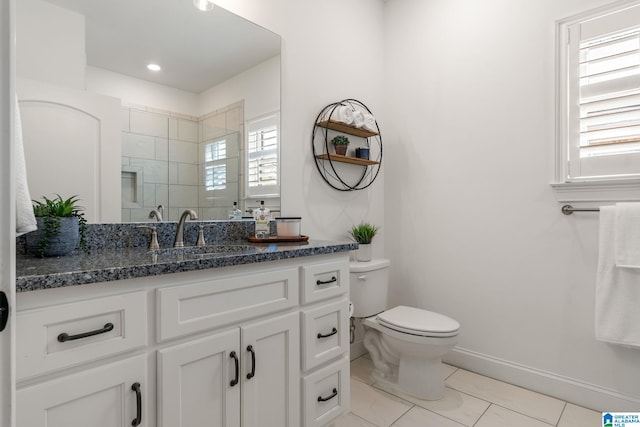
(363, 234)
(340, 144)
(61, 227)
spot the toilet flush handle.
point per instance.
(363, 277)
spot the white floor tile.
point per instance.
(376, 406)
(577, 416)
(361, 369)
(455, 405)
(351, 420)
(448, 370)
(419, 417)
(539, 406)
(497, 416)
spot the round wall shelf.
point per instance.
(347, 172)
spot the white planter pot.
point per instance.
(364, 252)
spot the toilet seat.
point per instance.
(419, 322)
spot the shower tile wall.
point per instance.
(163, 161)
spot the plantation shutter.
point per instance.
(215, 166)
(263, 163)
(604, 95)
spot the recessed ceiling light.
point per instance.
(203, 5)
(154, 67)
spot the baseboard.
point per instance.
(577, 392)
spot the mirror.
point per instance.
(199, 134)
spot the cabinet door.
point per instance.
(194, 383)
(270, 351)
(100, 397)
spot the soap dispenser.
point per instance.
(261, 215)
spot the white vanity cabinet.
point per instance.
(263, 344)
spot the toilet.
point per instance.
(406, 344)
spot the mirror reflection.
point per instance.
(201, 133)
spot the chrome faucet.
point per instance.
(179, 241)
(155, 214)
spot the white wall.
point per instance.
(50, 44)
(259, 86)
(331, 50)
(469, 158)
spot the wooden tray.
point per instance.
(276, 239)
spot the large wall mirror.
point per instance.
(201, 133)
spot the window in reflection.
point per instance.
(263, 163)
(215, 167)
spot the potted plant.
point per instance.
(363, 234)
(340, 144)
(61, 227)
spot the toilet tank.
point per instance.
(369, 283)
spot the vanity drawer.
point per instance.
(326, 394)
(322, 281)
(325, 333)
(66, 335)
(197, 306)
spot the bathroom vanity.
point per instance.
(254, 336)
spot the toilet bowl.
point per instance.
(406, 344)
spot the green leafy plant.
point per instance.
(51, 210)
(340, 140)
(363, 233)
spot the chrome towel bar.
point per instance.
(568, 209)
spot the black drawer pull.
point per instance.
(333, 332)
(136, 387)
(331, 396)
(234, 356)
(253, 362)
(64, 337)
(324, 282)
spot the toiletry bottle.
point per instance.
(235, 213)
(261, 215)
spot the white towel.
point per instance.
(617, 290)
(358, 118)
(370, 123)
(25, 220)
(341, 113)
(628, 235)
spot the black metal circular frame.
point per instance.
(326, 165)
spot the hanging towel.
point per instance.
(25, 220)
(627, 235)
(617, 315)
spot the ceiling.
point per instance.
(197, 50)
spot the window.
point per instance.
(215, 165)
(599, 96)
(263, 157)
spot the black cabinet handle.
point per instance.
(333, 332)
(136, 387)
(253, 362)
(331, 396)
(64, 337)
(4, 311)
(324, 282)
(234, 356)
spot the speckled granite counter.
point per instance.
(128, 263)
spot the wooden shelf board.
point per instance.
(347, 159)
(341, 127)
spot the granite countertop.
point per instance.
(103, 265)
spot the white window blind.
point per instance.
(215, 165)
(263, 152)
(603, 96)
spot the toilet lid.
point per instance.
(418, 322)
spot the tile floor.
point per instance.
(470, 400)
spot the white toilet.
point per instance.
(406, 344)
